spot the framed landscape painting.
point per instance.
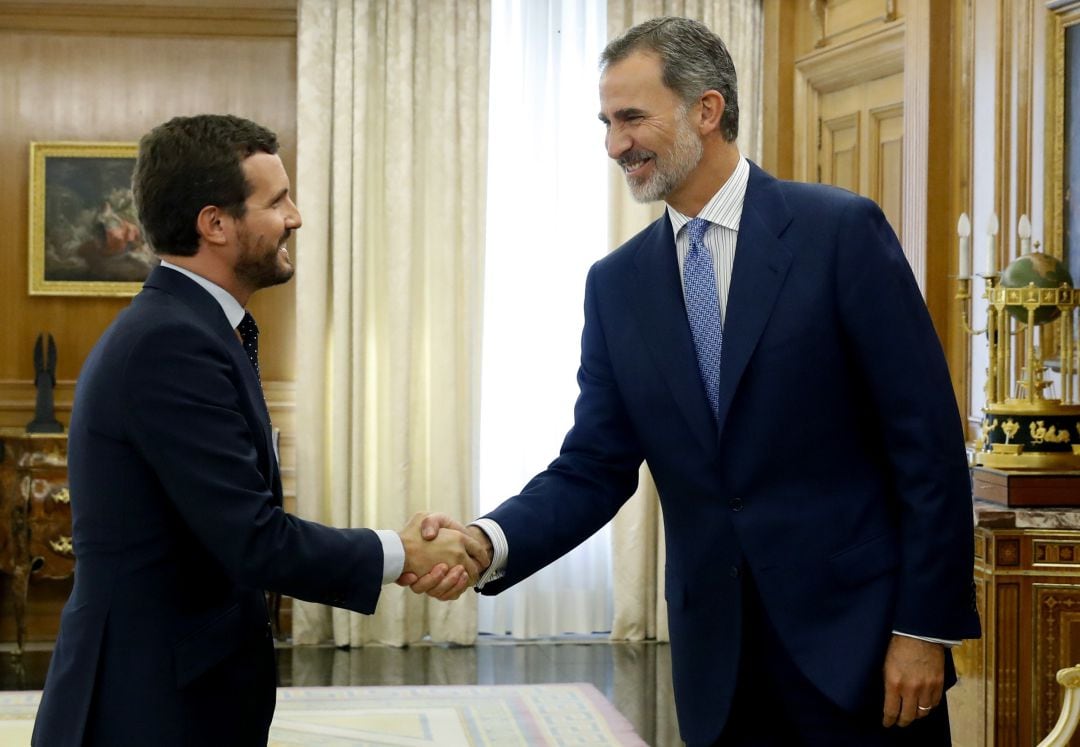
(85, 239)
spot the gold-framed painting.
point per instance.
(1062, 217)
(85, 238)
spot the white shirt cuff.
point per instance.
(500, 551)
(393, 555)
(942, 641)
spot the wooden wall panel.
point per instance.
(777, 92)
(887, 166)
(840, 152)
(1057, 645)
(99, 85)
(826, 23)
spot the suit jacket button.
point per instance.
(734, 571)
(735, 504)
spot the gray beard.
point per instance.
(685, 155)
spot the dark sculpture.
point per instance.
(45, 380)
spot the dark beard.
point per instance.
(259, 268)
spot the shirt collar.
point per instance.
(234, 312)
(725, 207)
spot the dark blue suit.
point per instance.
(836, 475)
(179, 527)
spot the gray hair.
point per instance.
(694, 61)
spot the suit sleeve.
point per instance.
(184, 415)
(595, 473)
(892, 339)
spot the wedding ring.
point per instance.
(925, 708)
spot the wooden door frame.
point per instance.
(888, 51)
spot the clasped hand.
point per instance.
(442, 557)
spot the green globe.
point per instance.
(1044, 271)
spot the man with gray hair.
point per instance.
(764, 347)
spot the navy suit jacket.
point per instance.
(835, 473)
(178, 530)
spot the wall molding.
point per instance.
(958, 347)
(16, 394)
(19, 397)
(1064, 15)
(873, 56)
(149, 20)
(916, 184)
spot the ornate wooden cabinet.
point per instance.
(35, 513)
(1027, 577)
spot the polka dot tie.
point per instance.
(703, 310)
(249, 336)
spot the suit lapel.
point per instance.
(761, 264)
(211, 314)
(253, 390)
(662, 317)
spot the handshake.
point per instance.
(442, 557)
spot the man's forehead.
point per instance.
(639, 70)
(265, 174)
(263, 165)
(632, 81)
(641, 65)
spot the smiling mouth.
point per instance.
(634, 163)
(283, 244)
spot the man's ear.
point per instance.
(712, 110)
(211, 224)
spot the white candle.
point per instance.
(963, 230)
(1023, 229)
(991, 249)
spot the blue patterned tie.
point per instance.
(703, 310)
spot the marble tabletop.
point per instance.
(996, 516)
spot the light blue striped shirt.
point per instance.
(723, 211)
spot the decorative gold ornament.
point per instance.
(1041, 434)
(1032, 405)
(62, 546)
(1010, 428)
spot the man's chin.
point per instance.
(283, 276)
(644, 193)
(285, 270)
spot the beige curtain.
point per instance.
(392, 115)
(638, 537)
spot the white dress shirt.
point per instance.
(393, 550)
(723, 211)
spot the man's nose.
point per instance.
(616, 142)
